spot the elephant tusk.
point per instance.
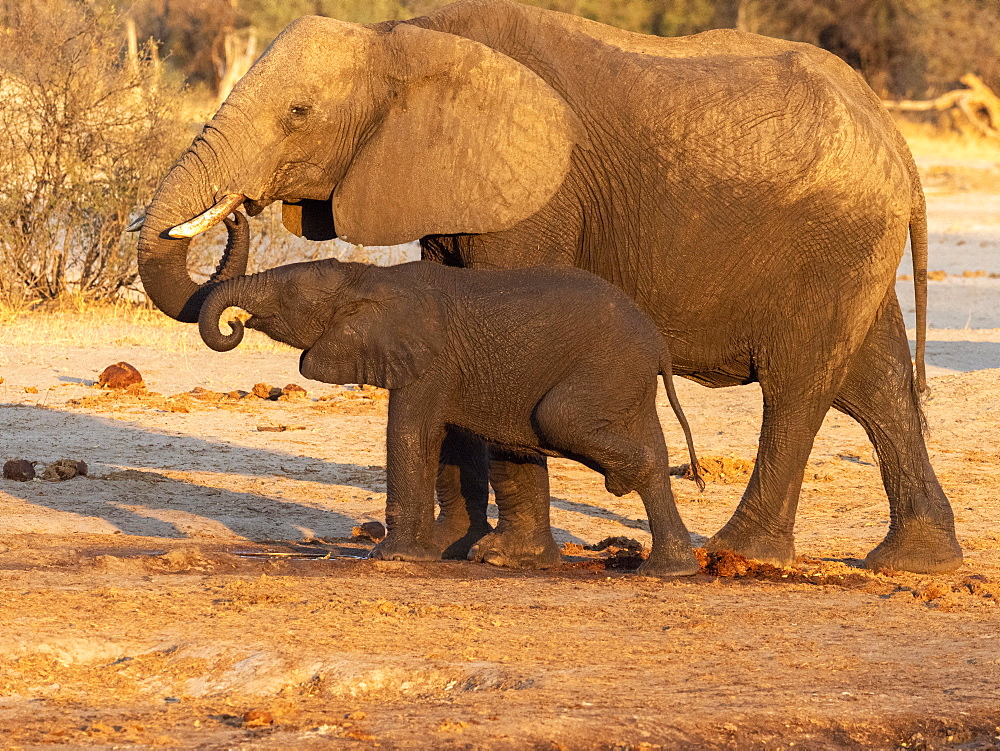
(210, 218)
(136, 224)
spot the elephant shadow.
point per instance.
(142, 501)
(962, 356)
(598, 512)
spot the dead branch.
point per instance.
(976, 105)
(240, 52)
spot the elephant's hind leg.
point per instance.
(879, 394)
(523, 537)
(463, 494)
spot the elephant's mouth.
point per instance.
(253, 207)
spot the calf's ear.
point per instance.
(389, 339)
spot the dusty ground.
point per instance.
(181, 595)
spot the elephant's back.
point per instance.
(725, 106)
(507, 25)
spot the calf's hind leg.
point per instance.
(463, 494)
(671, 554)
(879, 394)
(523, 537)
(632, 456)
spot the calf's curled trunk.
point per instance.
(244, 292)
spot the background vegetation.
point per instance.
(905, 48)
(89, 123)
(85, 134)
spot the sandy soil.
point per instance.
(201, 588)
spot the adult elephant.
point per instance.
(752, 194)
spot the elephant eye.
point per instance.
(300, 110)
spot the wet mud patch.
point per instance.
(616, 553)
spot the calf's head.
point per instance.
(353, 322)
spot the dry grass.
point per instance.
(927, 142)
(80, 324)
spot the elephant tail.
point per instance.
(667, 373)
(918, 250)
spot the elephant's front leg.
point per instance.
(798, 387)
(463, 493)
(413, 447)
(523, 537)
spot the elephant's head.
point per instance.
(352, 322)
(376, 136)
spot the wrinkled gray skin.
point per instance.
(751, 194)
(538, 362)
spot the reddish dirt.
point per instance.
(204, 587)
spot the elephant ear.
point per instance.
(388, 339)
(472, 142)
(310, 219)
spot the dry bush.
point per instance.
(192, 32)
(86, 132)
(904, 48)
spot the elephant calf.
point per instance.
(538, 362)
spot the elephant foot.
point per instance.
(919, 546)
(776, 550)
(675, 562)
(455, 540)
(395, 548)
(516, 552)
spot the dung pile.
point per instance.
(721, 469)
(19, 470)
(23, 470)
(730, 565)
(64, 469)
(121, 377)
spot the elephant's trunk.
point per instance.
(187, 192)
(244, 292)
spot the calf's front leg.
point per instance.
(413, 449)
